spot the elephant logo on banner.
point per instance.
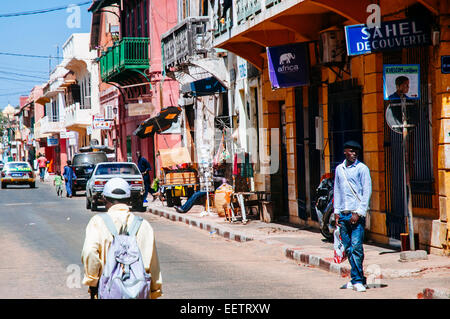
(286, 58)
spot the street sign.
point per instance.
(445, 64)
(52, 141)
(391, 35)
(99, 123)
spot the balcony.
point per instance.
(76, 115)
(189, 39)
(127, 55)
(50, 124)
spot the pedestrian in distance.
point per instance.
(69, 177)
(58, 183)
(352, 192)
(145, 169)
(101, 234)
(42, 164)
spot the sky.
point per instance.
(38, 35)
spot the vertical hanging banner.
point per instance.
(288, 65)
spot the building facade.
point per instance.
(301, 128)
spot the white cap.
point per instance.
(117, 188)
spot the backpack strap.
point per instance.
(109, 223)
(135, 224)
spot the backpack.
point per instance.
(124, 275)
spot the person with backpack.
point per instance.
(119, 252)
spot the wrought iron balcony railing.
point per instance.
(126, 54)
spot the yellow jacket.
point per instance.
(98, 240)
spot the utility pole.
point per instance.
(406, 178)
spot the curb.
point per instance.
(310, 260)
(207, 226)
(317, 262)
(437, 293)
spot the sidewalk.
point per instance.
(306, 246)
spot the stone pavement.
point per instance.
(306, 246)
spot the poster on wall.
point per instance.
(401, 80)
(288, 65)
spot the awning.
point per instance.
(204, 87)
(43, 100)
(99, 4)
(158, 124)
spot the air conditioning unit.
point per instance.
(332, 47)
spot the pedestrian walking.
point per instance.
(145, 169)
(99, 239)
(69, 177)
(58, 183)
(42, 163)
(352, 191)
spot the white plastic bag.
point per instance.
(339, 250)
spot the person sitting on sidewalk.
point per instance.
(352, 191)
(193, 199)
(98, 239)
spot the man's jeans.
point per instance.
(146, 186)
(191, 201)
(352, 237)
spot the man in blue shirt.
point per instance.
(69, 177)
(352, 191)
(145, 168)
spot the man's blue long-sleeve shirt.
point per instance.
(358, 176)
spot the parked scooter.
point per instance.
(324, 206)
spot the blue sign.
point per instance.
(288, 65)
(391, 35)
(445, 64)
(52, 141)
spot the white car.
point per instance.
(103, 172)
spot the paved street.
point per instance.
(42, 237)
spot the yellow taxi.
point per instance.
(17, 173)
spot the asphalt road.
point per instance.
(42, 236)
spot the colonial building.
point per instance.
(339, 96)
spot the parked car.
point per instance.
(18, 173)
(83, 164)
(103, 172)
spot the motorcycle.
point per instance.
(324, 206)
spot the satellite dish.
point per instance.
(394, 118)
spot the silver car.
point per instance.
(103, 172)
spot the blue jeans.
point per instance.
(191, 201)
(146, 186)
(69, 188)
(42, 172)
(352, 237)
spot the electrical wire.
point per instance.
(24, 75)
(26, 13)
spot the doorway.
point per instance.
(278, 180)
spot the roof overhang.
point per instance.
(288, 22)
(99, 4)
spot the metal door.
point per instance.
(344, 118)
(420, 150)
